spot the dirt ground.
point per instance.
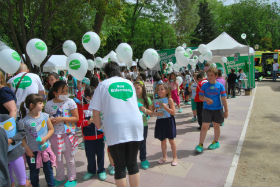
(259, 163)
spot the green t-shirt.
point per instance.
(145, 119)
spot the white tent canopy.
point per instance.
(225, 45)
(55, 63)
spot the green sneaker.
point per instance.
(180, 110)
(111, 170)
(145, 164)
(199, 148)
(102, 176)
(88, 176)
(70, 184)
(214, 145)
(193, 119)
(58, 183)
(82, 145)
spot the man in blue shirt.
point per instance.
(213, 95)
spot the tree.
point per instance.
(186, 19)
(205, 30)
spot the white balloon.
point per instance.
(124, 53)
(190, 52)
(98, 62)
(179, 49)
(9, 60)
(150, 58)
(91, 42)
(200, 58)
(91, 64)
(182, 58)
(243, 36)
(37, 51)
(179, 80)
(224, 59)
(213, 65)
(207, 55)
(77, 65)
(142, 64)
(202, 48)
(69, 47)
(176, 68)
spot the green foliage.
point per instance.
(205, 31)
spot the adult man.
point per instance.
(30, 83)
(275, 70)
(116, 98)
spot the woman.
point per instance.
(15, 156)
(123, 128)
(7, 98)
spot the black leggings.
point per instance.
(199, 109)
(125, 156)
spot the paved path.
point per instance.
(259, 163)
(207, 169)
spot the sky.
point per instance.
(228, 2)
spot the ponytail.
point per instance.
(22, 110)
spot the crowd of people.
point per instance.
(110, 107)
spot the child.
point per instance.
(93, 139)
(15, 151)
(192, 89)
(146, 108)
(174, 90)
(187, 86)
(39, 129)
(211, 94)
(165, 123)
(157, 80)
(199, 103)
(64, 116)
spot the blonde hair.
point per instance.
(2, 79)
(212, 70)
(166, 87)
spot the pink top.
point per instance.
(222, 81)
(44, 156)
(173, 85)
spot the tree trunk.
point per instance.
(98, 21)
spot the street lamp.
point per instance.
(244, 36)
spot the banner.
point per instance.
(242, 63)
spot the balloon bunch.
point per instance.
(10, 60)
(206, 54)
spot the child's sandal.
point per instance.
(161, 161)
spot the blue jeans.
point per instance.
(274, 75)
(34, 172)
(95, 148)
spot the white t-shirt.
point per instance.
(30, 84)
(275, 67)
(60, 109)
(116, 99)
